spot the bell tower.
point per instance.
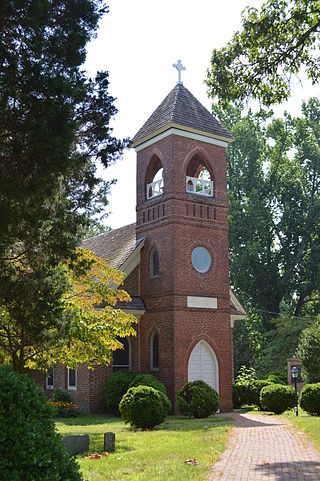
(186, 332)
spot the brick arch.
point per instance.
(155, 163)
(192, 163)
(212, 344)
(152, 329)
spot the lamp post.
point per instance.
(295, 374)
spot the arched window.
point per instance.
(154, 178)
(154, 352)
(154, 263)
(199, 179)
(121, 357)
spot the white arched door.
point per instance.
(203, 365)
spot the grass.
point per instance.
(151, 455)
(310, 425)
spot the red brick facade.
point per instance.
(174, 223)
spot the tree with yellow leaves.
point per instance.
(62, 314)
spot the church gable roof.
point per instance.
(115, 246)
(181, 108)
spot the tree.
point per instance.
(274, 208)
(281, 341)
(54, 126)
(273, 45)
(53, 315)
(54, 130)
(94, 230)
(247, 341)
(309, 352)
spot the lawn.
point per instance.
(151, 455)
(310, 425)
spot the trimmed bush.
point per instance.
(255, 390)
(152, 381)
(277, 398)
(197, 399)
(148, 380)
(239, 395)
(29, 445)
(60, 395)
(142, 406)
(310, 398)
(115, 387)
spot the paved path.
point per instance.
(264, 448)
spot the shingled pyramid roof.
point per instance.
(181, 109)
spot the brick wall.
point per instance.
(175, 223)
(131, 283)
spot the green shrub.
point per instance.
(277, 398)
(61, 395)
(198, 399)
(114, 389)
(241, 390)
(277, 378)
(254, 391)
(142, 406)
(64, 409)
(310, 398)
(148, 380)
(29, 445)
(248, 393)
(245, 375)
(152, 381)
(239, 395)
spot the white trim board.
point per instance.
(202, 302)
(181, 133)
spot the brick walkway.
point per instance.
(264, 448)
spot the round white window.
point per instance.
(201, 259)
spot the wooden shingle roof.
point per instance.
(181, 108)
(115, 246)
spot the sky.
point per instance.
(138, 42)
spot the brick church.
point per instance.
(175, 259)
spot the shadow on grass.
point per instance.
(89, 420)
(172, 423)
(180, 423)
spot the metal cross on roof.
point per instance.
(179, 67)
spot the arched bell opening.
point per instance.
(199, 178)
(154, 178)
